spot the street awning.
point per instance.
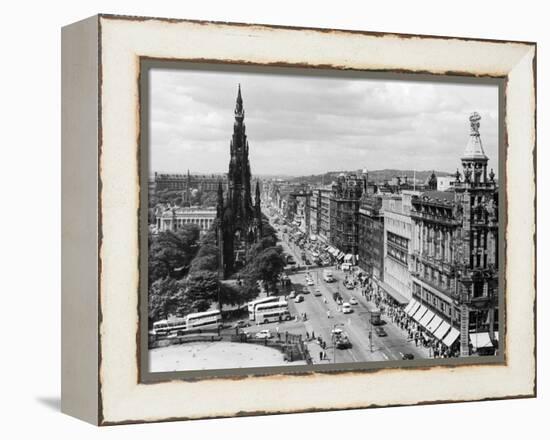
(340, 256)
(434, 323)
(411, 303)
(348, 257)
(451, 337)
(419, 313)
(394, 293)
(414, 308)
(442, 330)
(480, 340)
(426, 319)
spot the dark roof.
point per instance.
(441, 196)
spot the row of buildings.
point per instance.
(434, 246)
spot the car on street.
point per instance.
(343, 342)
(349, 285)
(299, 299)
(305, 291)
(292, 294)
(380, 331)
(353, 301)
(240, 324)
(336, 332)
(408, 356)
(263, 334)
(310, 282)
(346, 307)
(317, 292)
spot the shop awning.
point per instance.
(434, 324)
(408, 308)
(425, 320)
(419, 313)
(340, 256)
(480, 340)
(442, 330)
(394, 293)
(348, 258)
(451, 337)
(414, 308)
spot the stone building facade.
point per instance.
(455, 251)
(174, 218)
(371, 237)
(345, 200)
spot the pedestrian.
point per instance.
(320, 355)
(307, 336)
(328, 314)
(312, 334)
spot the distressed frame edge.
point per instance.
(80, 121)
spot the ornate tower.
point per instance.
(239, 221)
(477, 196)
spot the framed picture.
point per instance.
(262, 220)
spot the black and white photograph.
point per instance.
(320, 219)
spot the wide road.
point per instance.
(324, 314)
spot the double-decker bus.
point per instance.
(198, 321)
(204, 320)
(167, 326)
(272, 312)
(252, 305)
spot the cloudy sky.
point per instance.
(299, 125)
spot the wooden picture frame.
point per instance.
(102, 213)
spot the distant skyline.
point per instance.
(303, 125)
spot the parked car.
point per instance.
(353, 301)
(380, 331)
(310, 282)
(408, 356)
(317, 292)
(299, 299)
(264, 334)
(346, 307)
(305, 291)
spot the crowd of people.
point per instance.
(397, 315)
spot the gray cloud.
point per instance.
(310, 124)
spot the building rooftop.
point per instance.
(438, 196)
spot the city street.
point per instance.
(323, 315)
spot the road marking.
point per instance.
(385, 356)
(401, 354)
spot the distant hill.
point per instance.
(377, 176)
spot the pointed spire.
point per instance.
(220, 199)
(257, 199)
(239, 110)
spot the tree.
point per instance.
(171, 253)
(266, 267)
(202, 289)
(167, 297)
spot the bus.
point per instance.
(166, 326)
(204, 320)
(199, 321)
(252, 305)
(272, 312)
